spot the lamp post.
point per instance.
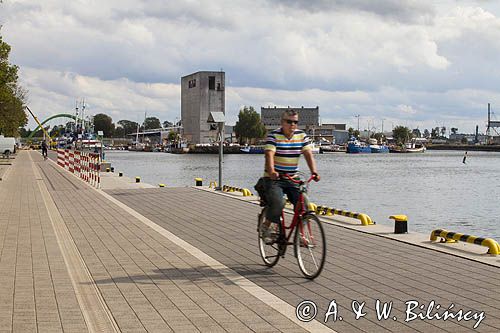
(357, 116)
(219, 119)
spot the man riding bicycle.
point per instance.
(44, 149)
(283, 148)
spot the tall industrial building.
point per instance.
(201, 93)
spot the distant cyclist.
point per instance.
(283, 149)
(44, 149)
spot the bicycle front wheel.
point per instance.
(270, 253)
(310, 246)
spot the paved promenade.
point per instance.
(76, 259)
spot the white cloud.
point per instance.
(406, 110)
(347, 57)
(56, 92)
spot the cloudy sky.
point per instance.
(416, 63)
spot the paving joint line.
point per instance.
(97, 315)
(285, 309)
(260, 293)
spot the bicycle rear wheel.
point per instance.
(270, 253)
(310, 246)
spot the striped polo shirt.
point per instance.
(287, 151)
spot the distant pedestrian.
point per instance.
(465, 157)
(44, 149)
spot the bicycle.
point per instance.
(309, 241)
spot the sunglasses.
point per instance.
(290, 122)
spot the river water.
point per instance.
(435, 189)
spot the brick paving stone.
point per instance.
(389, 270)
(147, 282)
(31, 263)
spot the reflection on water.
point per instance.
(435, 189)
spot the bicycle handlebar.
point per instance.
(287, 176)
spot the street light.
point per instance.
(219, 119)
(357, 116)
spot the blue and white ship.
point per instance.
(376, 148)
(354, 146)
(252, 150)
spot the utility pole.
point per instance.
(83, 117)
(357, 116)
(488, 132)
(75, 127)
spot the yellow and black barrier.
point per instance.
(214, 183)
(246, 192)
(328, 211)
(493, 246)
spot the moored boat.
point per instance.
(376, 148)
(379, 149)
(332, 149)
(354, 146)
(252, 150)
(409, 147)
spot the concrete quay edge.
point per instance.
(459, 249)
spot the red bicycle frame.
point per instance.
(299, 211)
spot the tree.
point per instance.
(416, 133)
(426, 133)
(151, 123)
(103, 122)
(24, 133)
(443, 131)
(378, 136)
(454, 130)
(12, 96)
(249, 125)
(128, 126)
(435, 132)
(353, 132)
(57, 131)
(167, 123)
(401, 134)
(172, 136)
(119, 132)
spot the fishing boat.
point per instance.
(376, 148)
(409, 147)
(252, 150)
(332, 149)
(136, 146)
(354, 146)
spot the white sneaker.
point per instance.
(269, 234)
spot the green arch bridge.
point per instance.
(59, 115)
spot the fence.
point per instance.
(84, 165)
